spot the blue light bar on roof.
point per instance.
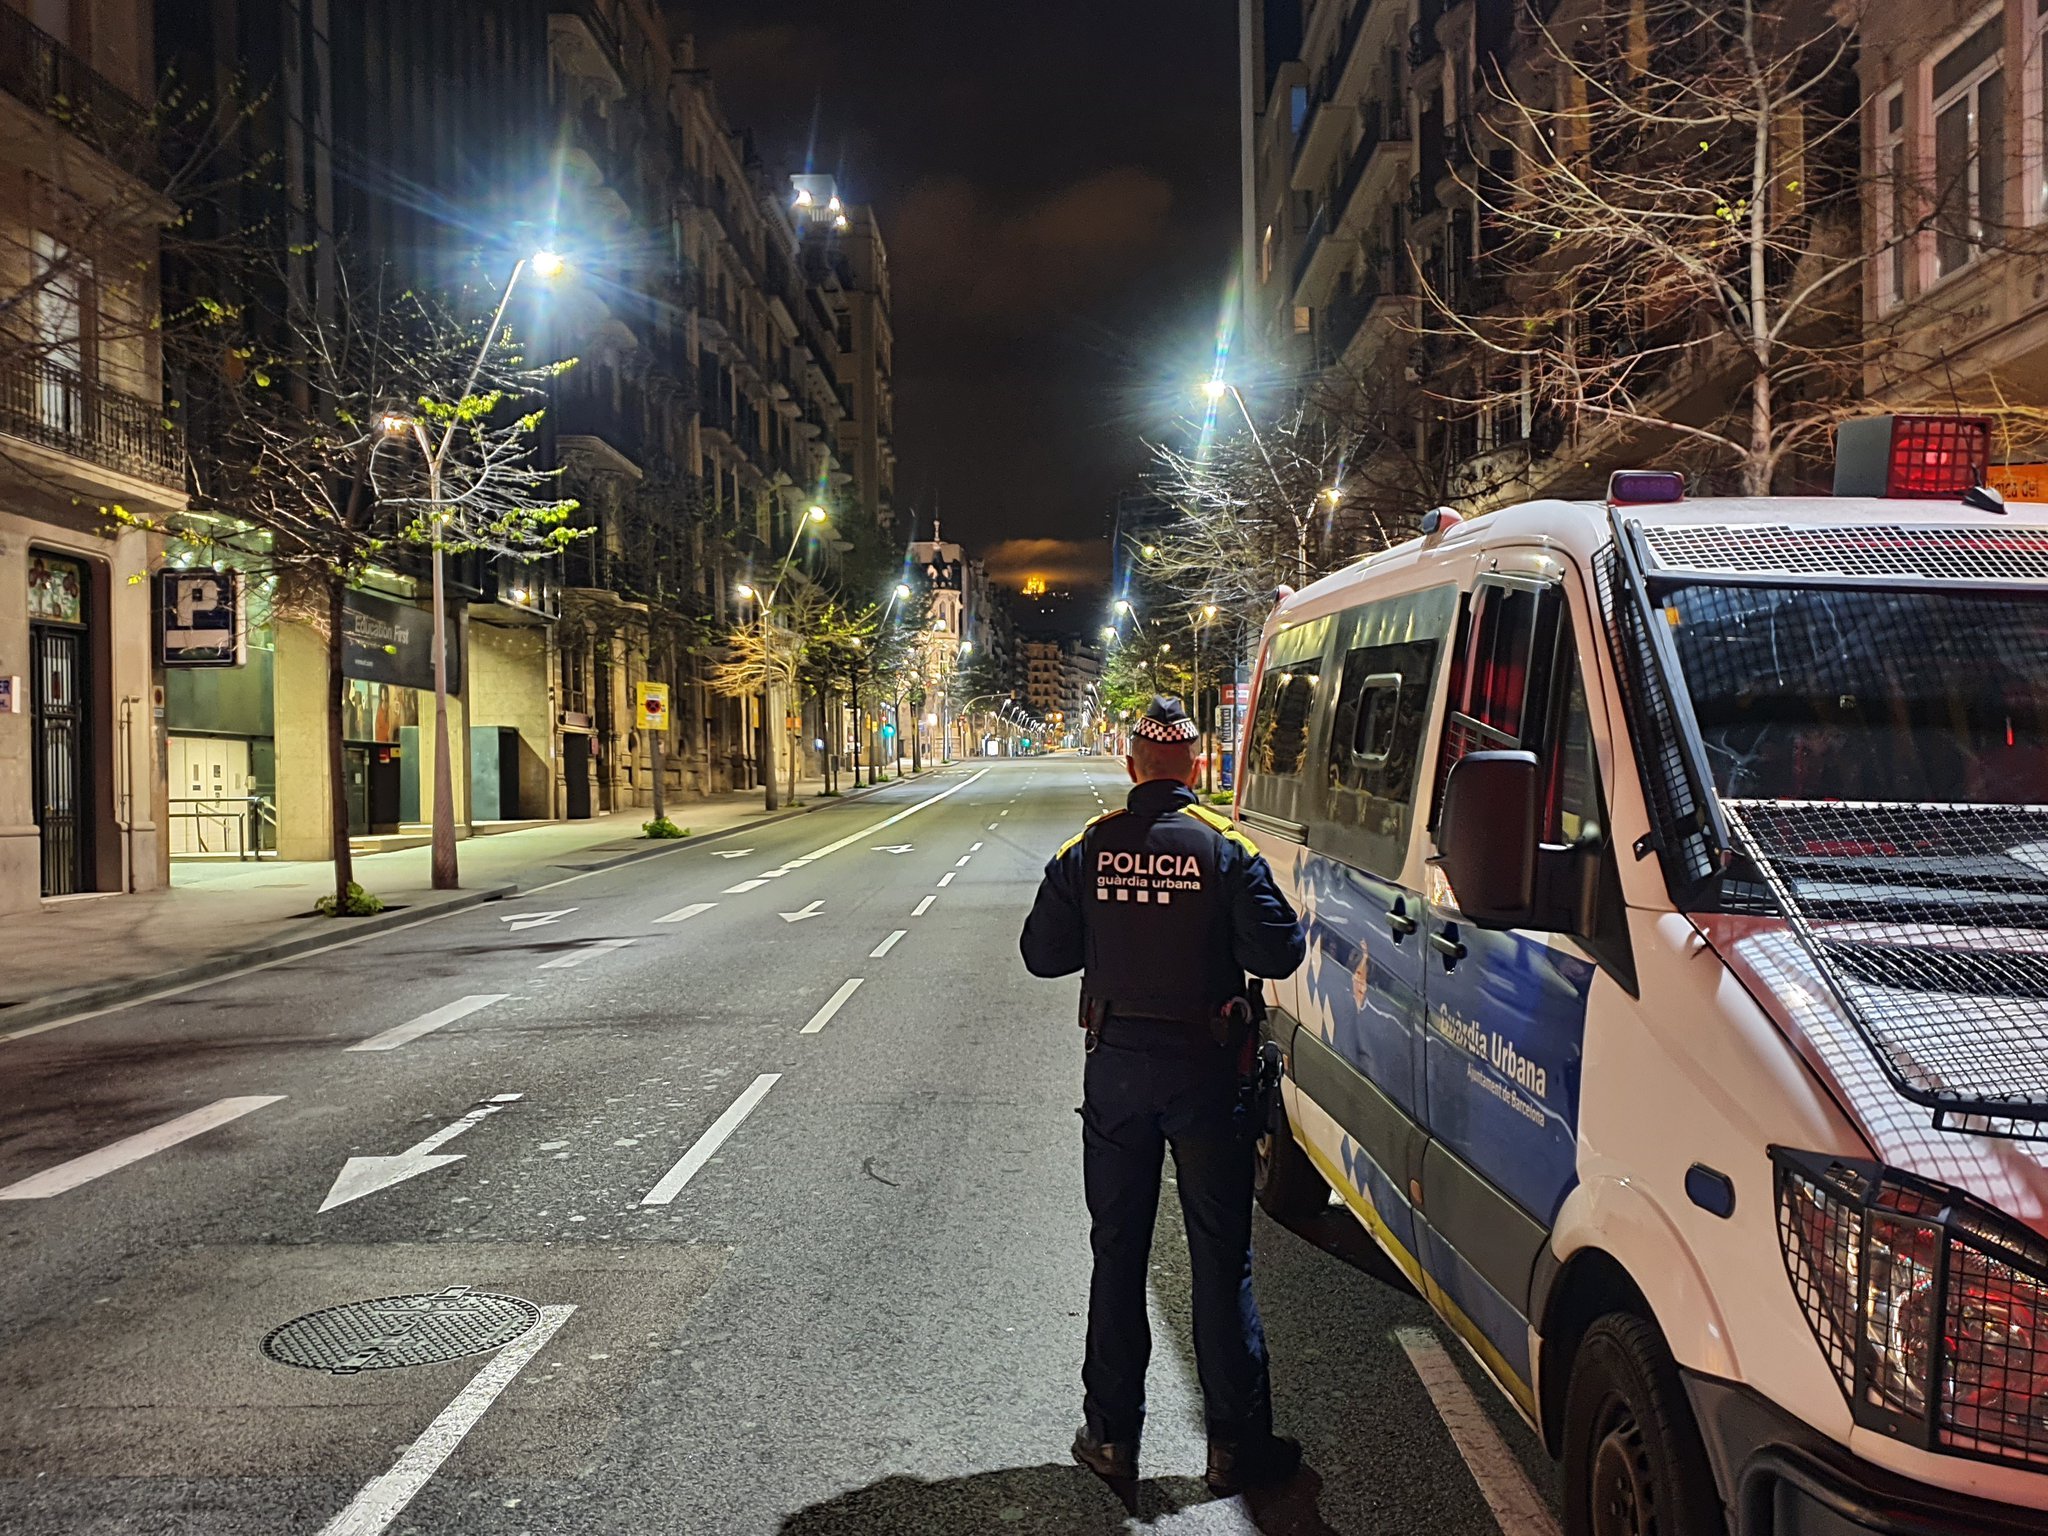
(1645, 487)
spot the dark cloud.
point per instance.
(1064, 563)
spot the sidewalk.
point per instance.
(216, 917)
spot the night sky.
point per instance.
(1057, 183)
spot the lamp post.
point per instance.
(770, 799)
(446, 874)
(1204, 617)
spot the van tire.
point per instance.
(1634, 1463)
(1286, 1182)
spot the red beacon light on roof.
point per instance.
(1912, 457)
(1645, 487)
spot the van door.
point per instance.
(1506, 1011)
(1362, 984)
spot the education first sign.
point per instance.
(390, 642)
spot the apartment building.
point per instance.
(847, 263)
(1045, 676)
(82, 800)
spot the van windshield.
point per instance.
(1829, 694)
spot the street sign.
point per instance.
(199, 621)
(651, 705)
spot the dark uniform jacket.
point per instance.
(1164, 906)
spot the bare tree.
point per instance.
(1669, 236)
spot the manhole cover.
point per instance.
(401, 1330)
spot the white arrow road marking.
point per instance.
(744, 885)
(427, 1023)
(671, 1183)
(894, 847)
(576, 957)
(1517, 1507)
(132, 1149)
(888, 821)
(811, 910)
(384, 1498)
(832, 1005)
(684, 914)
(362, 1176)
(732, 853)
(521, 921)
(887, 944)
(923, 906)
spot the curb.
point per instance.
(76, 1000)
(58, 1005)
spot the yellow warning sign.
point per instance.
(650, 701)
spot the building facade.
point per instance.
(83, 807)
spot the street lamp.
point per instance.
(445, 871)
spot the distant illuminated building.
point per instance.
(1034, 586)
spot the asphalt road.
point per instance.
(859, 1313)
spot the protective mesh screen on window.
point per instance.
(1855, 550)
(1929, 924)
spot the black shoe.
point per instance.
(1235, 1465)
(1112, 1460)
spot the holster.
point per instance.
(1094, 1014)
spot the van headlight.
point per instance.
(1931, 1306)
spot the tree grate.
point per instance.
(401, 1330)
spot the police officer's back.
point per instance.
(1164, 906)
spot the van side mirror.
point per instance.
(1488, 835)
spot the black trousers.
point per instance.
(1148, 1086)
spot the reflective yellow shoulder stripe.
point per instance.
(1220, 823)
(1067, 846)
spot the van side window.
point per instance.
(1501, 672)
(1574, 798)
(1388, 663)
(1285, 717)
(1280, 727)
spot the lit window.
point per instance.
(1969, 148)
(1304, 320)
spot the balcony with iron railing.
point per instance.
(40, 72)
(65, 412)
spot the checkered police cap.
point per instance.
(1165, 720)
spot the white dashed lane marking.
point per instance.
(923, 906)
(887, 944)
(671, 1183)
(589, 951)
(427, 1023)
(947, 878)
(133, 1149)
(832, 1005)
(684, 914)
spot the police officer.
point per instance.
(1163, 906)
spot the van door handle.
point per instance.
(1448, 945)
(1400, 922)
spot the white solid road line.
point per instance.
(427, 1023)
(1517, 1507)
(686, 1168)
(887, 944)
(833, 1004)
(684, 914)
(923, 906)
(947, 878)
(384, 1498)
(576, 957)
(132, 1149)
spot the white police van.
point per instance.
(1676, 1007)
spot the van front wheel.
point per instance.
(1283, 1178)
(1634, 1464)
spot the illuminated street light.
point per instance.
(746, 593)
(902, 590)
(546, 263)
(1332, 495)
(1123, 605)
(817, 514)
(393, 422)
(1215, 389)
